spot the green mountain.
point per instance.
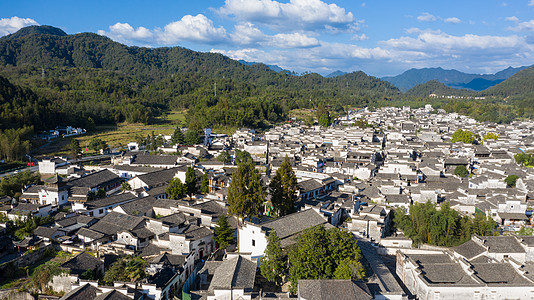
(452, 78)
(520, 85)
(335, 74)
(88, 78)
(437, 88)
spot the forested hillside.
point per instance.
(88, 78)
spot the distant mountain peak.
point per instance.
(38, 29)
(335, 74)
(452, 78)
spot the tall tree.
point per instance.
(324, 254)
(177, 137)
(190, 182)
(223, 233)
(205, 184)
(242, 157)
(246, 195)
(191, 137)
(224, 157)
(283, 188)
(74, 148)
(175, 190)
(272, 263)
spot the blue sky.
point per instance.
(378, 37)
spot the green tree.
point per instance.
(223, 233)
(191, 137)
(461, 171)
(324, 120)
(491, 136)
(125, 269)
(190, 186)
(125, 186)
(44, 273)
(11, 185)
(321, 254)
(100, 193)
(511, 180)
(205, 184)
(272, 263)
(74, 148)
(177, 137)
(246, 195)
(525, 231)
(242, 157)
(224, 157)
(175, 190)
(464, 136)
(97, 144)
(283, 189)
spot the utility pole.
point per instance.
(42, 72)
(215, 88)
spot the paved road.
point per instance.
(387, 281)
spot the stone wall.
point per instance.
(13, 294)
(27, 259)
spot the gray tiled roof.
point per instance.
(498, 273)
(112, 200)
(81, 263)
(502, 244)
(341, 289)
(158, 178)
(95, 179)
(84, 292)
(112, 295)
(115, 222)
(237, 272)
(294, 223)
(469, 249)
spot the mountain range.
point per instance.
(451, 78)
(87, 78)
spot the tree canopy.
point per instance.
(283, 189)
(190, 186)
(175, 189)
(272, 263)
(223, 233)
(443, 227)
(464, 136)
(246, 194)
(325, 254)
(461, 171)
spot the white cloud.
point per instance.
(361, 37)
(445, 43)
(247, 34)
(124, 32)
(192, 28)
(524, 26)
(426, 17)
(197, 28)
(512, 19)
(11, 25)
(293, 40)
(296, 14)
(453, 20)
(531, 3)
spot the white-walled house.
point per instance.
(253, 237)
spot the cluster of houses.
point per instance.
(348, 177)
